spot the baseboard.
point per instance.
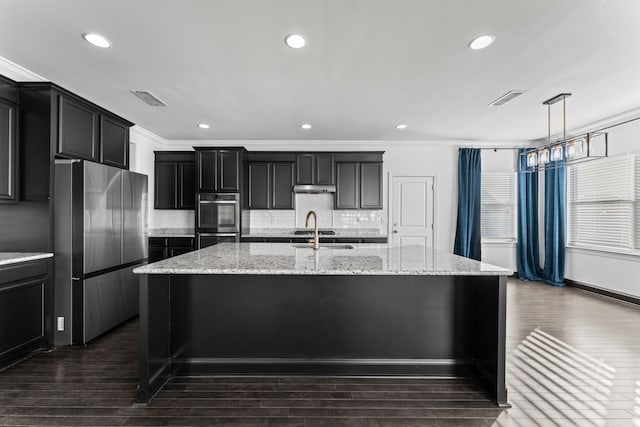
(605, 292)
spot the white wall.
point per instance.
(615, 272)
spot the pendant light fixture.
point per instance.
(592, 145)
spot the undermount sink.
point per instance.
(329, 246)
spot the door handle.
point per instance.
(395, 231)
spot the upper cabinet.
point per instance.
(8, 161)
(270, 185)
(174, 183)
(114, 141)
(79, 128)
(358, 181)
(218, 170)
(314, 168)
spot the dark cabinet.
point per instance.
(347, 186)
(23, 310)
(218, 170)
(282, 196)
(165, 247)
(314, 168)
(77, 129)
(371, 185)
(8, 163)
(358, 185)
(114, 142)
(270, 185)
(259, 185)
(174, 182)
(73, 126)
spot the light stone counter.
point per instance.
(284, 258)
(8, 258)
(171, 232)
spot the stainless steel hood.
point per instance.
(314, 189)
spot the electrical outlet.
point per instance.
(60, 323)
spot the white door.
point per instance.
(412, 210)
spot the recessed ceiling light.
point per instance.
(305, 126)
(97, 40)
(481, 42)
(295, 41)
(401, 126)
(204, 126)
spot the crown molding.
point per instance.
(140, 134)
(18, 73)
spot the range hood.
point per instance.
(314, 189)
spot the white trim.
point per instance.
(138, 133)
(605, 252)
(18, 73)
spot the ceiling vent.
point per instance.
(149, 98)
(507, 97)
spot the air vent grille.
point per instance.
(507, 97)
(149, 98)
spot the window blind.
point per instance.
(498, 199)
(603, 208)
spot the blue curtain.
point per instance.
(527, 248)
(467, 243)
(555, 190)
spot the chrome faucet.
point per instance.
(316, 238)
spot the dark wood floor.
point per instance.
(573, 359)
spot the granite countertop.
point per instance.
(8, 258)
(284, 258)
(171, 232)
(290, 233)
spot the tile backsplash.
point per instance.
(322, 204)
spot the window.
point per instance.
(498, 198)
(603, 204)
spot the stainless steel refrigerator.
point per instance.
(100, 236)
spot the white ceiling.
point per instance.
(368, 65)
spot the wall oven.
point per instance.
(217, 218)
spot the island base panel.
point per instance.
(323, 325)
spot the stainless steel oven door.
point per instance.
(218, 213)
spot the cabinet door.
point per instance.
(179, 250)
(258, 177)
(114, 142)
(207, 166)
(7, 151)
(77, 130)
(305, 169)
(228, 171)
(347, 186)
(282, 187)
(371, 185)
(158, 253)
(166, 185)
(22, 314)
(186, 185)
(324, 169)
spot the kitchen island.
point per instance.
(282, 309)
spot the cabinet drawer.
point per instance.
(158, 241)
(22, 272)
(181, 241)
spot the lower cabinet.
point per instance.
(23, 296)
(166, 247)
